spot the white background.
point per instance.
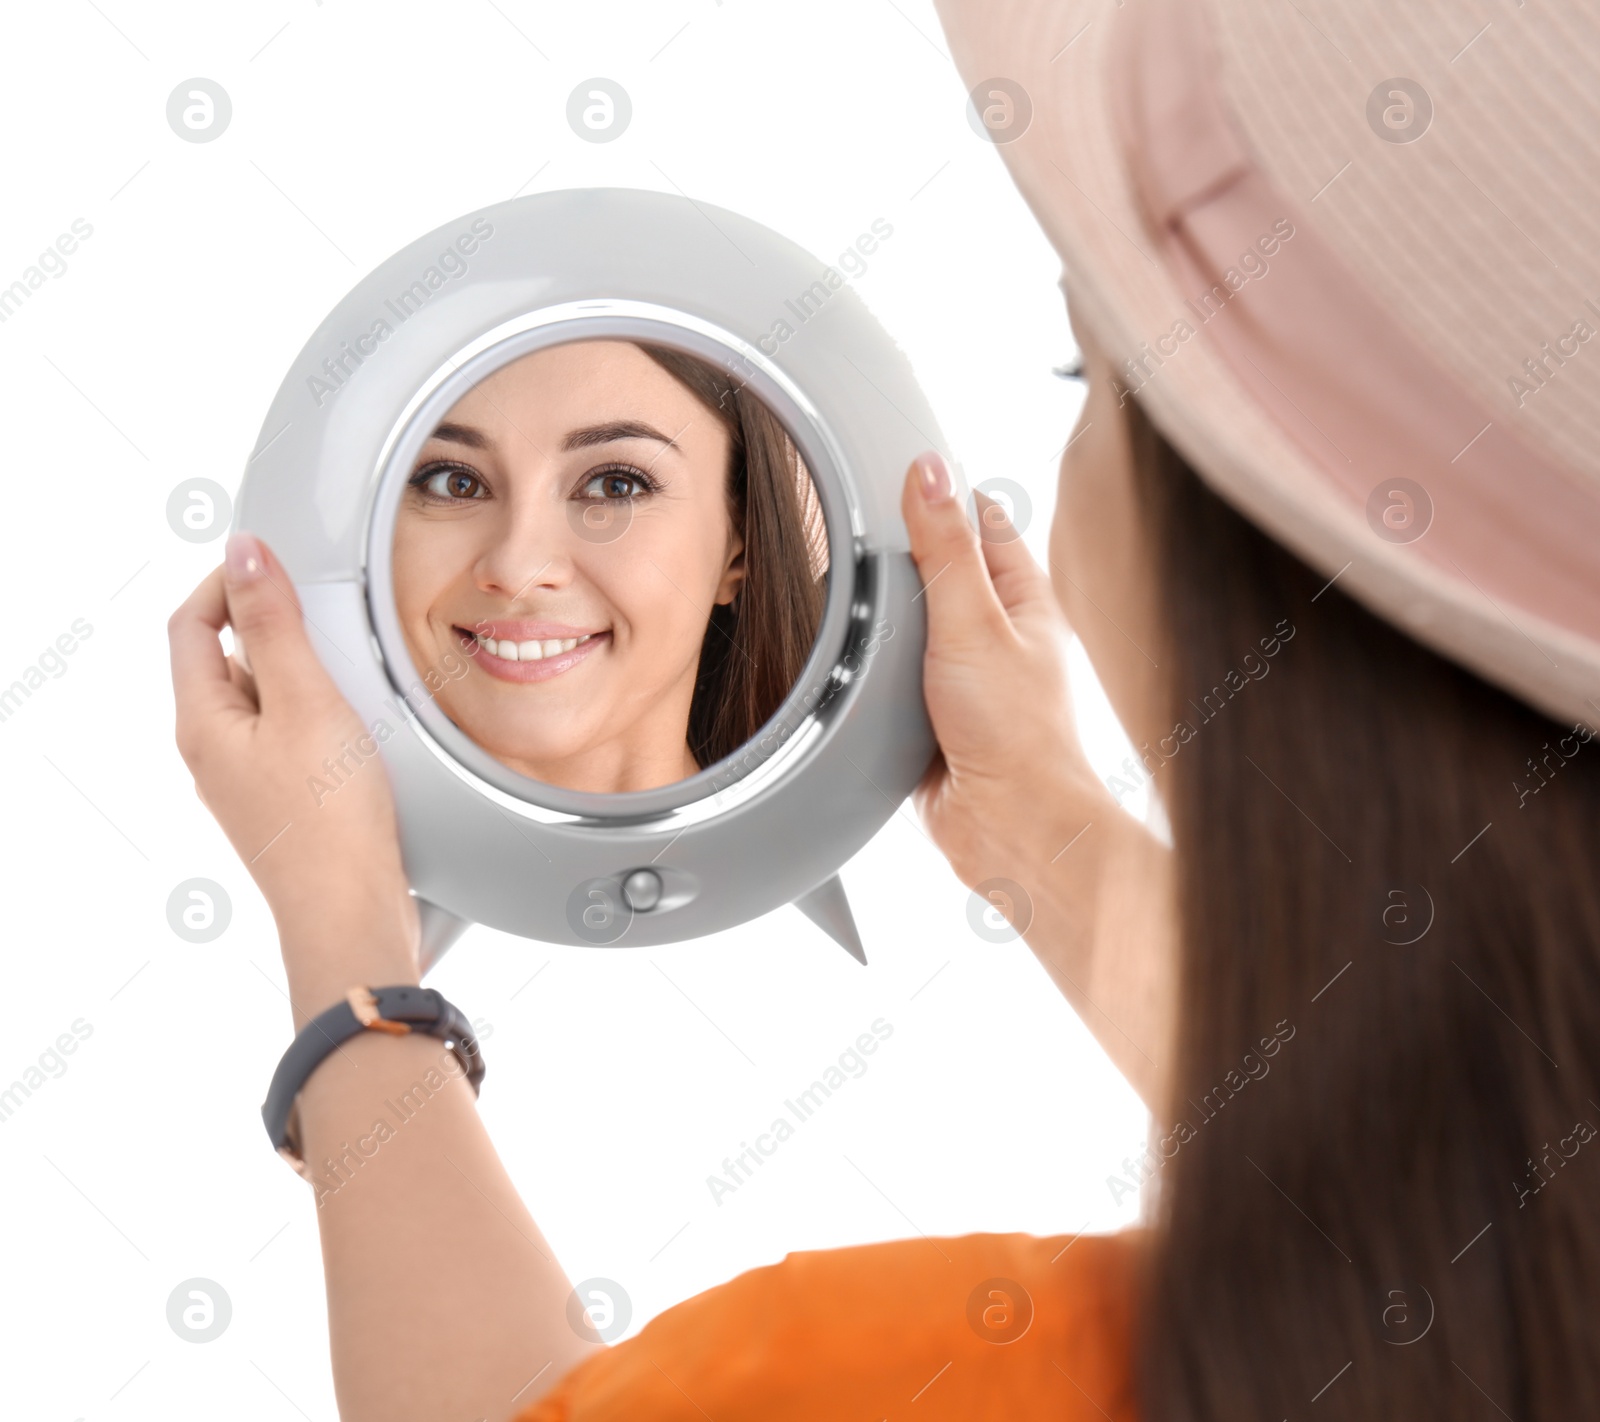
(618, 1080)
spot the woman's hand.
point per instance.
(1011, 786)
(1011, 795)
(425, 1238)
(294, 779)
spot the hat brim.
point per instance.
(1069, 166)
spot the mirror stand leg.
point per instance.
(440, 929)
(828, 908)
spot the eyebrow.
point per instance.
(461, 434)
(615, 430)
(576, 439)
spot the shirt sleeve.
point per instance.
(977, 1326)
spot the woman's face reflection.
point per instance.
(568, 528)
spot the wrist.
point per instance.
(325, 955)
(1070, 812)
(315, 987)
(412, 1021)
(1059, 856)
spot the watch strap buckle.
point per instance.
(365, 1008)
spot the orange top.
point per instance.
(977, 1326)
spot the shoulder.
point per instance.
(968, 1326)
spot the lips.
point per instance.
(526, 651)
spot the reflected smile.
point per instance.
(529, 658)
(532, 650)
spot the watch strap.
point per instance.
(399, 1010)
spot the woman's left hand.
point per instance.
(282, 761)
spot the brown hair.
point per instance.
(756, 646)
(1387, 874)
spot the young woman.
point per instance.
(627, 549)
(1347, 607)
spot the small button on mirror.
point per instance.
(641, 890)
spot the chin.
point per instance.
(516, 751)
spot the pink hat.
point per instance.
(1348, 257)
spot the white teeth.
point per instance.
(510, 651)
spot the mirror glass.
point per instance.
(613, 560)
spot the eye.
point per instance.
(617, 482)
(448, 483)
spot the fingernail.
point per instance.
(242, 558)
(935, 481)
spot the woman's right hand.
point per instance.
(294, 778)
(1011, 786)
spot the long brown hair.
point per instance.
(1388, 874)
(756, 646)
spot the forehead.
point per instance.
(582, 382)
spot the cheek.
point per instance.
(429, 558)
(410, 576)
(1074, 519)
(658, 586)
(1093, 536)
(654, 592)
(688, 544)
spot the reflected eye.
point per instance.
(622, 482)
(448, 483)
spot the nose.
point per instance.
(532, 550)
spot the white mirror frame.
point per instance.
(481, 842)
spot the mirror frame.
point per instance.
(768, 827)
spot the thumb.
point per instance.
(268, 627)
(963, 607)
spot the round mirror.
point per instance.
(595, 521)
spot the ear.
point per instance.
(733, 570)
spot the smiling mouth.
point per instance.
(530, 660)
(530, 651)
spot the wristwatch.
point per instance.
(400, 1009)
